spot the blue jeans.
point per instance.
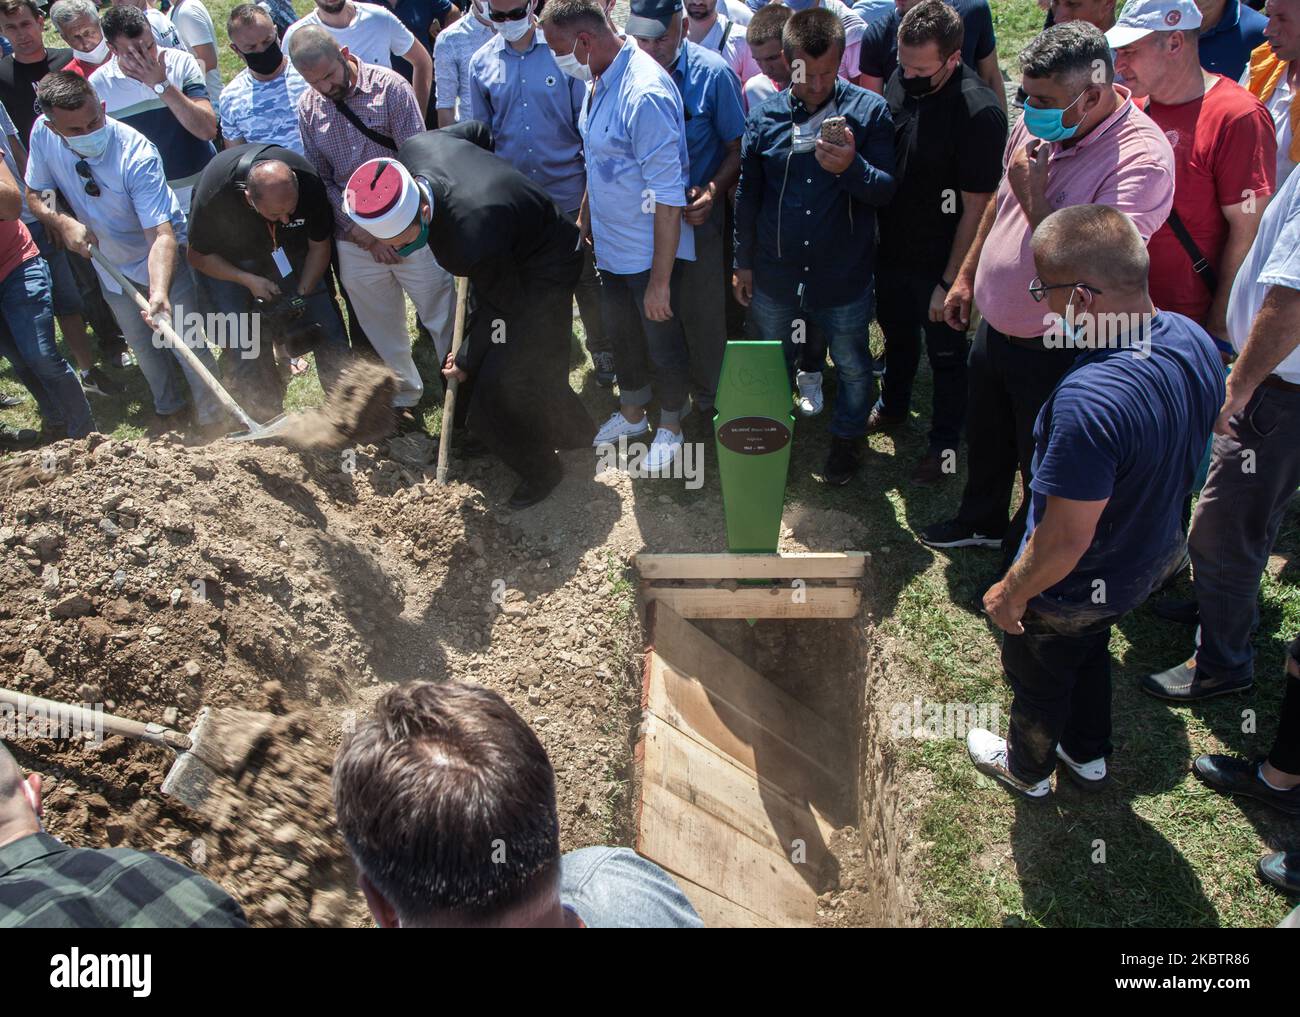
(27, 340)
(251, 374)
(67, 294)
(845, 329)
(162, 369)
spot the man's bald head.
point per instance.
(17, 815)
(272, 189)
(310, 46)
(1095, 244)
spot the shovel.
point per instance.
(449, 404)
(218, 745)
(253, 431)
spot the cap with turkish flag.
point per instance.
(1140, 18)
(381, 198)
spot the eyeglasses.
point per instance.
(1038, 291)
(83, 171)
(517, 14)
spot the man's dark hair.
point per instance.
(933, 21)
(16, 7)
(575, 15)
(446, 800)
(120, 20)
(814, 31)
(1075, 53)
(64, 90)
(767, 24)
(247, 14)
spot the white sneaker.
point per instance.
(1091, 776)
(617, 427)
(810, 401)
(989, 754)
(663, 450)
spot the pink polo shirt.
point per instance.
(1125, 162)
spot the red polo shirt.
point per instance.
(16, 246)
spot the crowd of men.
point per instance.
(1124, 247)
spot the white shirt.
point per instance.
(735, 51)
(194, 26)
(1273, 260)
(1279, 108)
(374, 35)
(758, 89)
(452, 50)
(9, 130)
(164, 32)
(133, 197)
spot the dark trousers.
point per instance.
(520, 403)
(1285, 754)
(704, 308)
(1252, 478)
(640, 343)
(1007, 383)
(95, 309)
(903, 310)
(1061, 695)
(587, 293)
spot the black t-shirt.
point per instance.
(946, 143)
(878, 56)
(18, 87)
(222, 222)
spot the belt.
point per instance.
(1273, 381)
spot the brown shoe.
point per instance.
(929, 470)
(877, 421)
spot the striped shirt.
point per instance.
(46, 884)
(136, 104)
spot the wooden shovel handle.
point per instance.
(449, 403)
(89, 720)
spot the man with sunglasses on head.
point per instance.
(113, 180)
(1081, 141)
(1115, 447)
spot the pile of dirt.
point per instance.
(358, 409)
(155, 579)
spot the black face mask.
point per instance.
(916, 87)
(266, 62)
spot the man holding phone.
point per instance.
(817, 160)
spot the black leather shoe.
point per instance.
(1281, 869)
(530, 492)
(18, 441)
(1184, 612)
(842, 462)
(1186, 683)
(1233, 775)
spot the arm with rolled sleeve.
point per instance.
(446, 72)
(749, 193)
(655, 128)
(870, 177)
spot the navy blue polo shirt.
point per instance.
(1129, 425)
(417, 16)
(810, 236)
(715, 113)
(1225, 48)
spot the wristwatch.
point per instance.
(161, 87)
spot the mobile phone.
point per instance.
(833, 130)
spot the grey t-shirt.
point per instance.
(615, 888)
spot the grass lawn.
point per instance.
(1155, 850)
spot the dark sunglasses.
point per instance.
(83, 171)
(1038, 291)
(516, 15)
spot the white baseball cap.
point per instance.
(1142, 17)
(381, 198)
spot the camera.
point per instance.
(289, 326)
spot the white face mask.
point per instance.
(96, 56)
(90, 146)
(573, 67)
(513, 31)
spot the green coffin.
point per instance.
(753, 429)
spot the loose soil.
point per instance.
(157, 578)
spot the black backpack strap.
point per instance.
(726, 34)
(245, 164)
(383, 140)
(1200, 264)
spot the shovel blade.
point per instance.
(190, 780)
(262, 432)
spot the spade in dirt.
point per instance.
(218, 747)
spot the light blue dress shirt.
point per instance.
(532, 107)
(634, 133)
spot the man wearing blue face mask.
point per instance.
(1081, 141)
